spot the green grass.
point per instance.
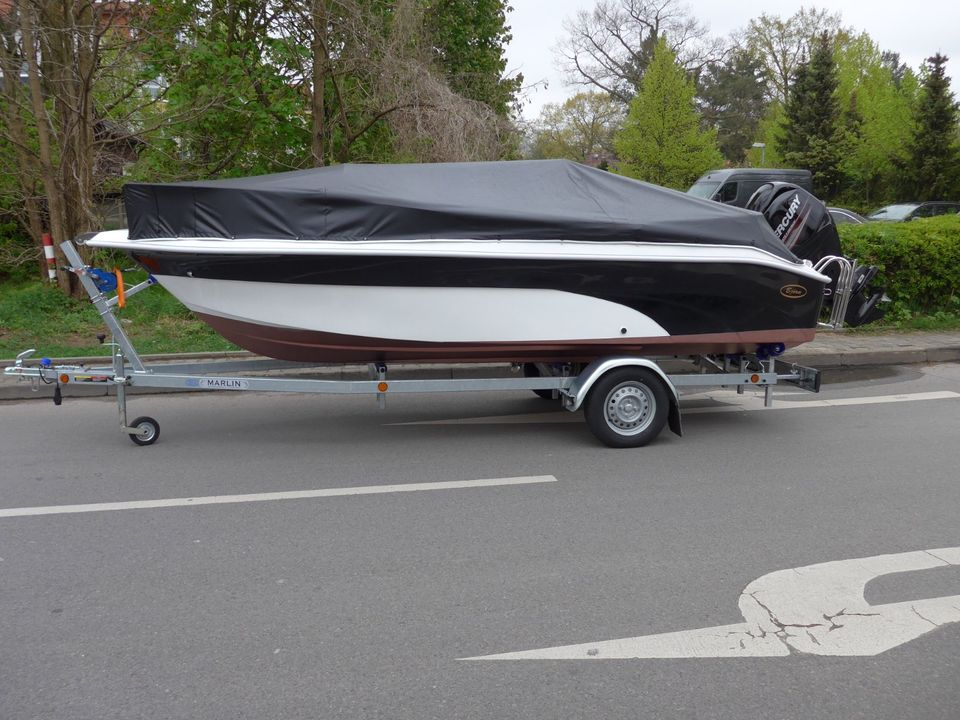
(900, 317)
(939, 321)
(35, 315)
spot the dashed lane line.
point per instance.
(264, 497)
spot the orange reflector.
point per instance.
(754, 378)
(64, 379)
(121, 295)
(382, 387)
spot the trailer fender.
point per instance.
(574, 396)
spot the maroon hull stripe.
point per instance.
(312, 346)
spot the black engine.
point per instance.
(802, 222)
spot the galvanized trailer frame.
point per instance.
(631, 412)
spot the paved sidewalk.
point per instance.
(846, 349)
(828, 351)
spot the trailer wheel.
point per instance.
(148, 430)
(627, 407)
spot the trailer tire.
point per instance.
(148, 430)
(627, 407)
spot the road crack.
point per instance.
(834, 625)
(917, 613)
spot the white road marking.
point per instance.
(816, 610)
(780, 404)
(732, 402)
(263, 497)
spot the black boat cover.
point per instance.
(531, 199)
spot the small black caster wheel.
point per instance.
(148, 430)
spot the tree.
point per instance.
(53, 55)
(469, 39)
(782, 45)
(732, 99)
(813, 136)
(879, 95)
(233, 100)
(768, 130)
(934, 150)
(375, 91)
(898, 70)
(581, 129)
(661, 140)
(234, 87)
(611, 46)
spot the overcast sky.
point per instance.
(916, 30)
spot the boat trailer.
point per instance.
(626, 400)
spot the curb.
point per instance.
(834, 360)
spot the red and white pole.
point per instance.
(48, 254)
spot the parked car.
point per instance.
(842, 215)
(735, 186)
(901, 212)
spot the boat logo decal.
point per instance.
(793, 292)
(788, 217)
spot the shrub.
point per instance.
(18, 256)
(918, 261)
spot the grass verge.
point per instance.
(35, 315)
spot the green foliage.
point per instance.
(919, 262)
(580, 129)
(878, 101)
(395, 81)
(35, 314)
(469, 38)
(732, 98)
(813, 137)
(230, 108)
(768, 130)
(18, 256)
(661, 141)
(935, 150)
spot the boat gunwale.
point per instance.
(454, 248)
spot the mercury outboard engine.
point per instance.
(806, 228)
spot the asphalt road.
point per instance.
(365, 605)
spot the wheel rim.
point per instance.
(630, 408)
(146, 431)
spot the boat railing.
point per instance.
(842, 289)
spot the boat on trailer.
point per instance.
(580, 277)
(526, 261)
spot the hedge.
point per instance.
(918, 261)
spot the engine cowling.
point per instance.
(802, 222)
(799, 219)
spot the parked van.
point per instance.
(735, 186)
